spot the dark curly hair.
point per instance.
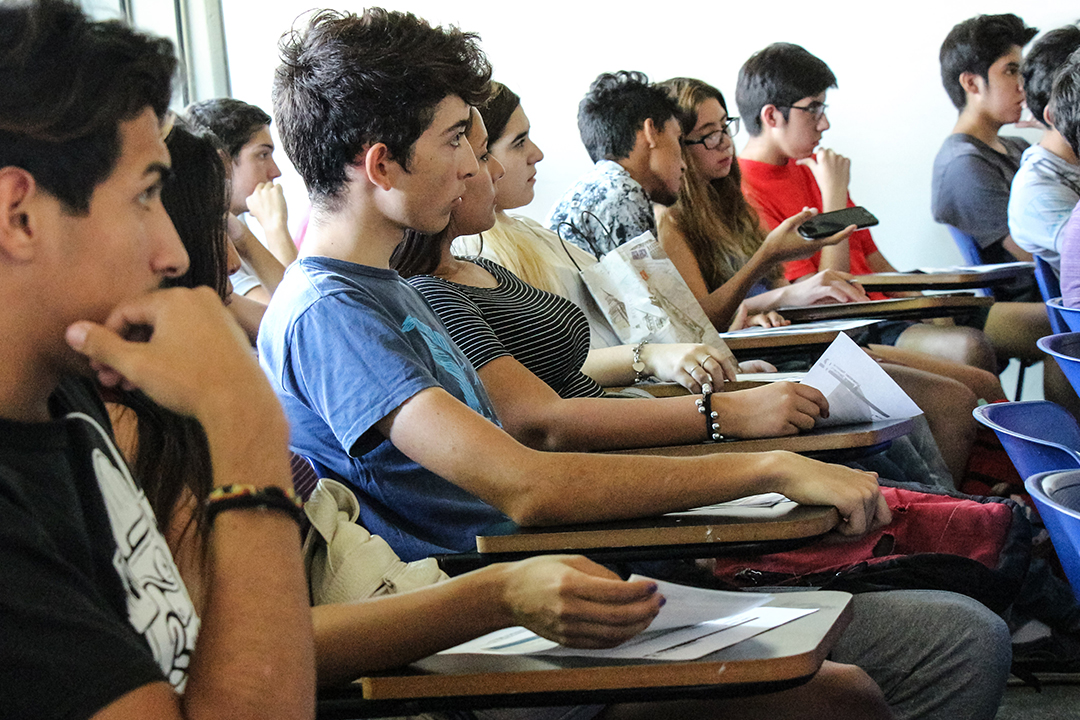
(347, 81)
(616, 108)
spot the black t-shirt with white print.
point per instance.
(91, 603)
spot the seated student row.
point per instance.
(535, 253)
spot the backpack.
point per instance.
(938, 540)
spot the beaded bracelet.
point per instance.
(242, 497)
(704, 406)
(638, 366)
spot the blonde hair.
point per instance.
(721, 229)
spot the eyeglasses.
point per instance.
(712, 140)
(815, 108)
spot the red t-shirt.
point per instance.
(779, 191)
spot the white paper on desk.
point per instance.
(857, 389)
(689, 618)
(977, 268)
(800, 328)
(765, 500)
(770, 377)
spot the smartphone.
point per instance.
(830, 223)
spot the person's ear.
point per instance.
(18, 226)
(771, 116)
(972, 83)
(1048, 115)
(377, 165)
(652, 133)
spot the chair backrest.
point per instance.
(1065, 348)
(1049, 285)
(969, 249)
(1039, 435)
(1057, 497)
(1070, 317)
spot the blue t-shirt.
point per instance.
(344, 345)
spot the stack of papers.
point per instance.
(693, 623)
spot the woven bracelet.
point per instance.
(244, 497)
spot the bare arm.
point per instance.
(687, 364)
(248, 313)
(267, 204)
(255, 659)
(266, 266)
(536, 416)
(567, 599)
(781, 245)
(1015, 250)
(832, 172)
(537, 488)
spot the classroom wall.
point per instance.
(888, 115)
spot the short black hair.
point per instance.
(780, 75)
(976, 44)
(1065, 101)
(1041, 64)
(616, 108)
(68, 83)
(234, 122)
(347, 81)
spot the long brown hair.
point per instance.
(720, 227)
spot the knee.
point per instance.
(974, 348)
(846, 688)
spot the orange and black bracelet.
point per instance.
(243, 497)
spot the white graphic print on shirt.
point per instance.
(159, 607)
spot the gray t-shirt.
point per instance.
(970, 190)
(1044, 193)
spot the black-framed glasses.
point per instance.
(815, 108)
(712, 141)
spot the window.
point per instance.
(197, 32)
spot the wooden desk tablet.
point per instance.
(777, 659)
(915, 308)
(961, 279)
(700, 533)
(843, 437)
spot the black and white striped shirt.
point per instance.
(546, 333)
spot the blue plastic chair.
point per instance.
(969, 249)
(1049, 285)
(1069, 317)
(1038, 435)
(1065, 348)
(1057, 497)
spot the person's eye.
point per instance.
(150, 194)
(457, 139)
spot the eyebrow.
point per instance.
(460, 126)
(164, 172)
(521, 136)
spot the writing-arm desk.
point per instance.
(720, 530)
(913, 308)
(775, 660)
(958, 279)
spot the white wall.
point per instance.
(889, 114)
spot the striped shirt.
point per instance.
(546, 333)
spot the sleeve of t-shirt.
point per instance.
(63, 652)
(1038, 213)
(462, 319)
(353, 365)
(974, 198)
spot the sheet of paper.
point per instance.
(679, 644)
(769, 377)
(977, 268)
(765, 500)
(857, 389)
(690, 605)
(689, 618)
(801, 328)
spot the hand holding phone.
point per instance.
(830, 223)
